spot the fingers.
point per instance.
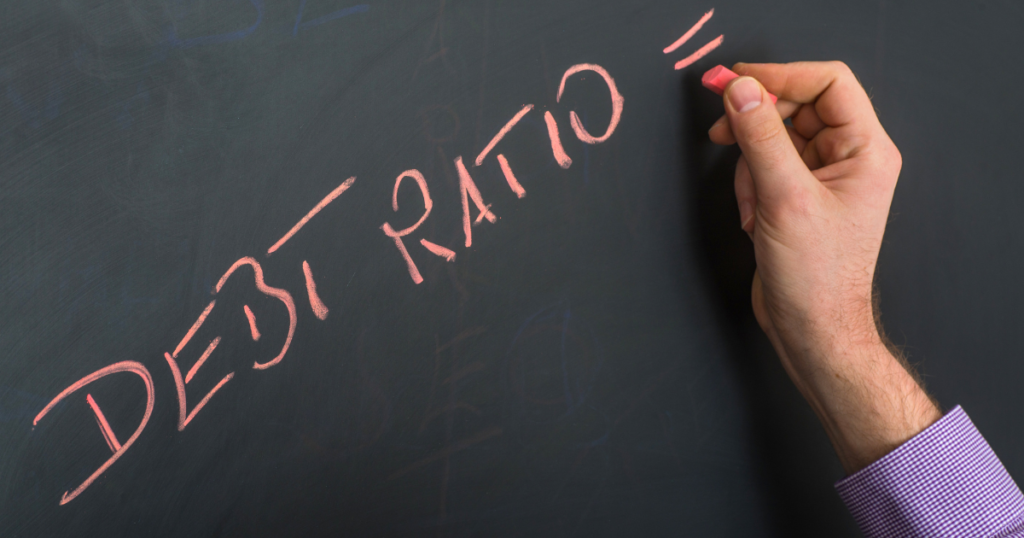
(807, 122)
(811, 156)
(746, 196)
(775, 165)
(838, 97)
(721, 134)
(799, 142)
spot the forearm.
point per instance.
(868, 403)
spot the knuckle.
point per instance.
(893, 162)
(887, 156)
(895, 157)
(743, 183)
(884, 161)
(764, 134)
(840, 68)
(743, 187)
(836, 146)
(843, 76)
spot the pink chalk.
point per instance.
(277, 293)
(319, 309)
(718, 77)
(124, 366)
(108, 433)
(252, 323)
(202, 358)
(183, 417)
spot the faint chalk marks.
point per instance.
(435, 49)
(452, 405)
(33, 116)
(361, 8)
(174, 41)
(574, 413)
(450, 408)
(440, 123)
(16, 405)
(457, 414)
(448, 451)
(552, 345)
(473, 331)
(471, 368)
(362, 412)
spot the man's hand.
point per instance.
(815, 198)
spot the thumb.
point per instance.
(774, 162)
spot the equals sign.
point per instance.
(701, 52)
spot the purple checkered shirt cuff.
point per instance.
(945, 481)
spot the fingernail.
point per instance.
(720, 121)
(746, 214)
(745, 94)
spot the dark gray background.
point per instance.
(589, 367)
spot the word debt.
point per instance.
(472, 199)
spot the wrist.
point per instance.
(867, 400)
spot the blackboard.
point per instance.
(584, 365)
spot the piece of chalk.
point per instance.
(718, 77)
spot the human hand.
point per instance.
(814, 198)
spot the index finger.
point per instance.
(838, 97)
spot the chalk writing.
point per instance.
(277, 293)
(206, 354)
(501, 134)
(319, 310)
(253, 330)
(101, 421)
(556, 143)
(312, 213)
(124, 366)
(428, 204)
(513, 183)
(468, 191)
(183, 417)
(689, 33)
(701, 52)
(447, 254)
(572, 396)
(617, 101)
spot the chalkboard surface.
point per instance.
(458, 268)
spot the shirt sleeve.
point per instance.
(945, 481)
